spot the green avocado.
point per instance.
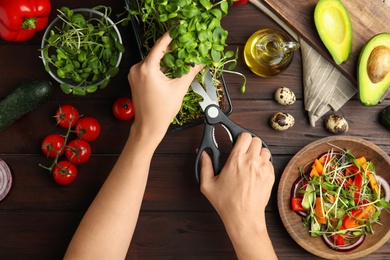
(334, 27)
(385, 117)
(374, 69)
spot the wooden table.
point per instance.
(39, 217)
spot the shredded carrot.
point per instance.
(320, 211)
(323, 159)
(373, 183)
(319, 166)
(371, 177)
(361, 160)
(359, 217)
(368, 211)
(313, 172)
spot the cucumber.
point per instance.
(385, 117)
(308, 197)
(28, 96)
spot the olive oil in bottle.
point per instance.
(268, 52)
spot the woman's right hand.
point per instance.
(240, 194)
(243, 187)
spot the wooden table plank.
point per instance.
(171, 185)
(159, 235)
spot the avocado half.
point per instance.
(334, 27)
(374, 69)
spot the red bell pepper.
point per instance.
(338, 240)
(240, 2)
(20, 19)
(296, 204)
(358, 182)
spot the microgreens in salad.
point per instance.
(340, 198)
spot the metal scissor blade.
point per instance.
(197, 88)
(210, 88)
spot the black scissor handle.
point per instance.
(213, 116)
(208, 144)
(233, 129)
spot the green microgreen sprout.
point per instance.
(83, 50)
(197, 38)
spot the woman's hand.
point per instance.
(157, 99)
(240, 194)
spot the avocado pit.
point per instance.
(378, 64)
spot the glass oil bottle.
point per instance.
(268, 52)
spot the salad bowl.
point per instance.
(293, 222)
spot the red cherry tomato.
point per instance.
(78, 151)
(64, 172)
(240, 2)
(52, 145)
(87, 128)
(123, 108)
(67, 115)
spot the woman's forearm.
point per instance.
(106, 229)
(251, 241)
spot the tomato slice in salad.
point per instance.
(297, 196)
(296, 204)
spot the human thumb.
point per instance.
(206, 168)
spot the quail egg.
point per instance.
(282, 121)
(284, 96)
(336, 124)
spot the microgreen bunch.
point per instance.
(84, 50)
(198, 38)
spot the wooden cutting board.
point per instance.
(369, 17)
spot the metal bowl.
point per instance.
(57, 23)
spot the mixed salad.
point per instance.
(340, 198)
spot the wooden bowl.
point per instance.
(293, 222)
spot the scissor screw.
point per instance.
(213, 112)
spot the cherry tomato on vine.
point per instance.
(78, 151)
(123, 108)
(67, 115)
(52, 145)
(64, 172)
(87, 128)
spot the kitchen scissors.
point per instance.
(213, 115)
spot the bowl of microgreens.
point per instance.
(333, 197)
(197, 38)
(82, 49)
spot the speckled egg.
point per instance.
(282, 121)
(336, 124)
(284, 96)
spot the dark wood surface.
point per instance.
(38, 218)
